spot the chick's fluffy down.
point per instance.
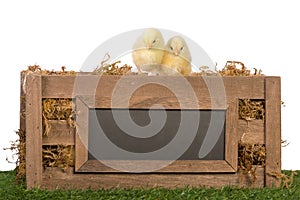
(148, 51)
(177, 58)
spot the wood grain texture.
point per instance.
(178, 166)
(145, 92)
(34, 131)
(209, 91)
(273, 130)
(231, 139)
(251, 132)
(54, 178)
(81, 136)
(84, 165)
(60, 133)
(251, 87)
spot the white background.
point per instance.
(262, 34)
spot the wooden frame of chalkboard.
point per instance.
(86, 103)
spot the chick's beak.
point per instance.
(148, 46)
(176, 52)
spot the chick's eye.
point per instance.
(171, 48)
(181, 48)
(154, 41)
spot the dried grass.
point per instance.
(249, 157)
(57, 109)
(61, 156)
(286, 181)
(250, 109)
(237, 68)
(38, 69)
(231, 68)
(112, 69)
(19, 146)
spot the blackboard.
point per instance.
(102, 126)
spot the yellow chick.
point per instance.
(148, 51)
(177, 57)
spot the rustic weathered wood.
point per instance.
(178, 166)
(33, 130)
(145, 92)
(231, 139)
(251, 87)
(83, 103)
(251, 132)
(273, 130)
(60, 133)
(81, 139)
(55, 86)
(54, 178)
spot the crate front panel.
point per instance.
(235, 88)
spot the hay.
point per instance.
(231, 69)
(286, 180)
(19, 147)
(250, 109)
(112, 69)
(61, 156)
(57, 109)
(249, 157)
(38, 69)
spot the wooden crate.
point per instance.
(35, 87)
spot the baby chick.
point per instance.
(148, 51)
(177, 57)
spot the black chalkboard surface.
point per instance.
(125, 134)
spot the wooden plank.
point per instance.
(250, 87)
(144, 92)
(34, 131)
(231, 139)
(178, 166)
(273, 130)
(60, 133)
(55, 86)
(81, 136)
(251, 132)
(54, 178)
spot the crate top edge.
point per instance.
(135, 75)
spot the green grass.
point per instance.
(10, 190)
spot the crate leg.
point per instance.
(273, 131)
(34, 130)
